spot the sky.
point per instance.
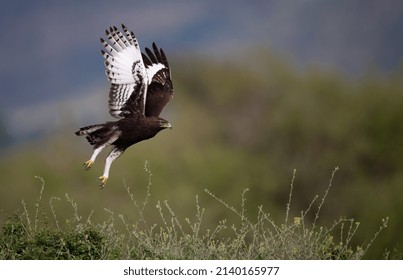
(50, 50)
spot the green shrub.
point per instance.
(180, 238)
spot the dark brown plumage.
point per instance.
(141, 86)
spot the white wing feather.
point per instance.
(124, 68)
(152, 70)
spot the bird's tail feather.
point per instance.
(97, 134)
(89, 129)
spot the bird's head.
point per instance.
(164, 124)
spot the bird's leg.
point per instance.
(114, 154)
(88, 164)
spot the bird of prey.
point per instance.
(140, 87)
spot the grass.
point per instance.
(35, 235)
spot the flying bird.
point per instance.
(140, 87)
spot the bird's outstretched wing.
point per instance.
(160, 88)
(126, 72)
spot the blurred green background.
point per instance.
(243, 121)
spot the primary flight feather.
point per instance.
(140, 87)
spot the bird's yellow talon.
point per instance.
(88, 164)
(103, 180)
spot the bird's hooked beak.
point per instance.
(166, 125)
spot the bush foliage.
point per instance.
(33, 236)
